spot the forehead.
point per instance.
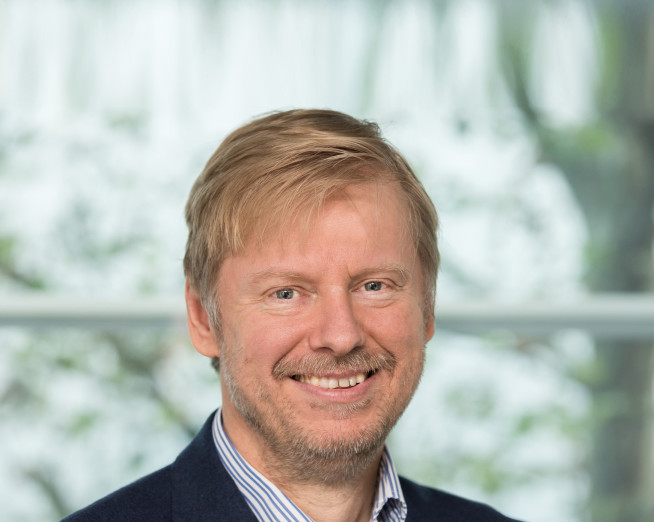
(360, 230)
(377, 203)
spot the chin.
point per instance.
(331, 458)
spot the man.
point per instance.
(311, 271)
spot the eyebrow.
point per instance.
(257, 277)
(401, 270)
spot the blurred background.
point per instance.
(531, 124)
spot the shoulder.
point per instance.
(194, 485)
(149, 498)
(426, 503)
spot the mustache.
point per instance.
(355, 361)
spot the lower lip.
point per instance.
(352, 393)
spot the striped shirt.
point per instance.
(269, 504)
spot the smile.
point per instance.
(331, 382)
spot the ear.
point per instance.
(429, 327)
(200, 328)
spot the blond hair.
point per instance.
(269, 171)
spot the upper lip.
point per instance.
(339, 375)
(323, 365)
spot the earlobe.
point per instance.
(200, 328)
(429, 327)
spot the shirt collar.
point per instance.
(389, 504)
(269, 504)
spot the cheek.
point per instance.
(266, 341)
(397, 329)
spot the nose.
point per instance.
(336, 328)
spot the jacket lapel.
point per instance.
(202, 488)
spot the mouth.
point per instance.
(331, 383)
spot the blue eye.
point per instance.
(285, 293)
(373, 286)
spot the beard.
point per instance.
(313, 456)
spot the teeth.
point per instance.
(331, 383)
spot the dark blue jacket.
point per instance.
(196, 487)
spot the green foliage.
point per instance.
(82, 423)
(105, 387)
(11, 273)
(476, 403)
(608, 164)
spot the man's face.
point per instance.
(323, 337)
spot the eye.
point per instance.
(285, 293)
(373, 286)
